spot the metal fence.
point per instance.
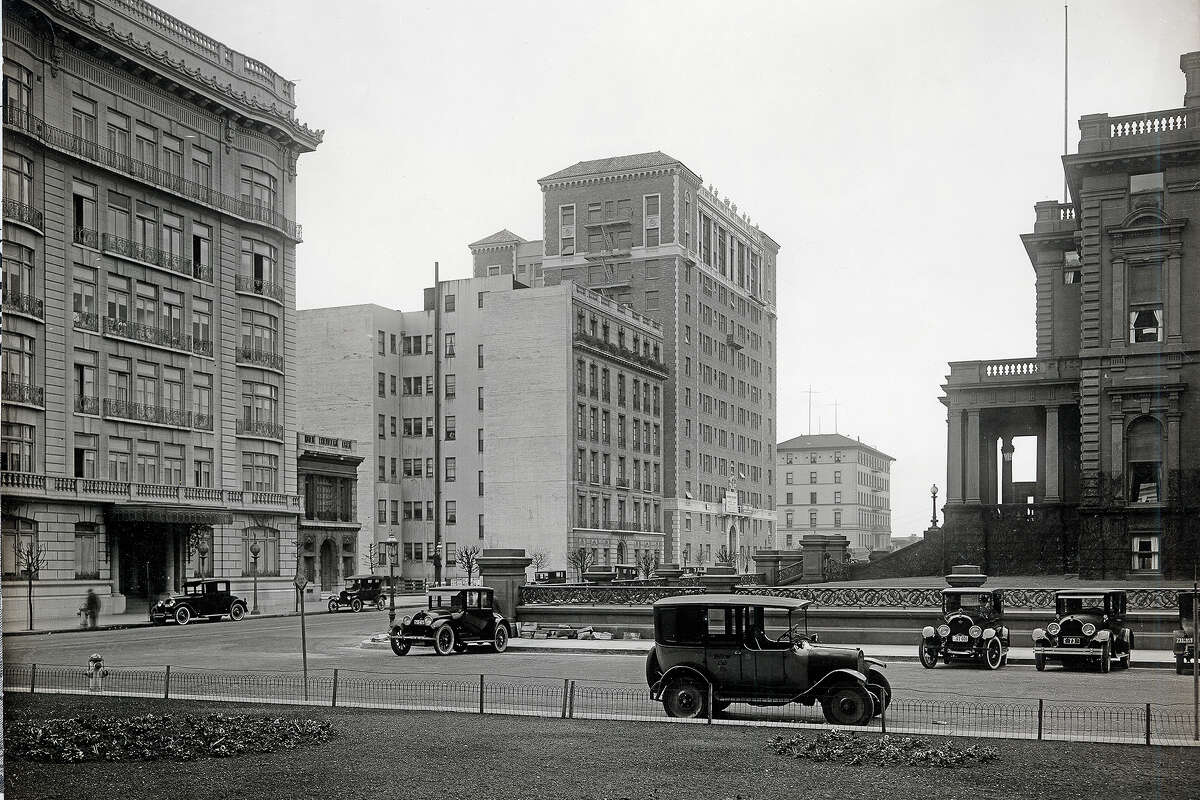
(1158, 723)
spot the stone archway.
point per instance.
(329, 566)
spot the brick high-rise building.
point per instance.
(149, 307)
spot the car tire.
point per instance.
(237, 612)
(356, 605)
(1039, 662)
(382, 604)
(848, 705)
(500, 640)
(1178, 665)
(333, 606)
(685, 699)
(993, 654)
(928, 656)
(400, 648)
(1105, 657)
(878, 683)
(444, 640)
(183, 615)
(654, 671)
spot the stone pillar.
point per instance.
(1053, 458)
(972, 457)
(1006, 487)
(1116, 424)
(1039, 490)
(954, 470)
(1173, 289)
(1189, 64)
(1120, 313)
(816, 546)
(768, 563)
(1173, 418)
(504, 572)
(990, 494)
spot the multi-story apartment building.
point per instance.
(327, 535)
(511, 464)
(830, 483)
(149, 296)
(645, 231)
(1110, 394)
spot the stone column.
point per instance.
(1173, 418)
(1006, 487)
(972, 457)
(954, 470)
(1173, 290)
(1053, 460)
(989, 494)
(1116, 423)
(1120, 313)
(504, 572)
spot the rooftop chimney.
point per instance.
(1190, 64)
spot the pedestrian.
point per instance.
(93, 609)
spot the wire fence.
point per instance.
(1040, 719)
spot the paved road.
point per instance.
(333, 641)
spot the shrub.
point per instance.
(851, 748)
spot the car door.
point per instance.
(762, 666)
(724, 650)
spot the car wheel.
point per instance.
(382, 604)
(237, 612)
(500, 641)
(686, 700)
(183, 615)
(444, 640)
(333, 606)
(879, 685)
(653, 668)
(356, 605)
(399, 647)
(1039, 661)
(1178, 665)
(849, 705)
(1105, 657)
(993, 654)
(928, 656)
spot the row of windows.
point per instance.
(812, 477)
(592, 380)
(747, 310)
(726, 382)
(608, 237)
(710, 493)
(418, 511)
(720, 437)
(596, 511)
(593, 423)
(594, 466)
(726, 469)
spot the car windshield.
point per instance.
(969, 602)
(1081, 605)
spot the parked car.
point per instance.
(720, 641)
(972, 629)
(454, 618)
(1089, 627)
(201, 598)
(361, 590)
(1185, 634)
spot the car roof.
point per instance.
(756, 600)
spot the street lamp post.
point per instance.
(933, 492)
(393, 549)
(255, 550)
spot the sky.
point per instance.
(894, 149)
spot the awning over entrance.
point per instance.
(171, 515)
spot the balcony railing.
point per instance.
(202, 347)
(269, 430)
(259, 358)
(139, 332)
(87, 405)
(86, 320)
(51, 486)
(24, 304)
(602, 345)
(23, 393)
(631, 525)
(141, 412)
(622, 483)
(331, 515)
(87, 237)
(24, 121)
(244, 283)
(19, 212)
(201, 272)
(201, 421)
(1021, 370)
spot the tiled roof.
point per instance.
(502, 236)
(614, 164)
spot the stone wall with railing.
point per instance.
(38, 485)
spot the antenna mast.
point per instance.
(1066, 46)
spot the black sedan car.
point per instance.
(454, 618)
(202, 598)
(1088, 627)
(972, 629)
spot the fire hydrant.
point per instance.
(97, 672)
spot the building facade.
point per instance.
(644, 231)
(149, 308)
(327, 533)
(830, 483)
(1110, 395)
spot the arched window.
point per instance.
(1143, 453)
(268, 557)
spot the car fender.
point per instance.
(875, 662)
(1103, 635)
(679, 670)
(837, 677)
(928, 632)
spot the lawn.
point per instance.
(439, 755)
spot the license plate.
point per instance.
(958, 637)
(1070, 640)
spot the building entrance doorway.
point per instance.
(328, 566)
(146, 569)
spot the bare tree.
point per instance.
(744, 559)
(468, 559)
(647, 562)
(30, 559)
(725, 558)
(372, 556)
(581, 560)
(538, 559)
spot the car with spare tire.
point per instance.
(454, 618)
(200, 598)
(714, 648)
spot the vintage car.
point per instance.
(200, 598)
(1185, 634)
(972, 629)
(361, 590)
(719, 642)
(1089, 626)
(454, 617)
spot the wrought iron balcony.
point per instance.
(87, 237)
(202, 421)
(202, 347)
(26, 393)
(141, 412)
(24, 304)
(622, 483)
(139, 332)
(87, 405)
(87, 321)
(269, 430)
(24, 121)
(244, 283)
(19, 212)
(259, 358)
(201, 272)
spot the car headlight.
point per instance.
(990, 633)
(1053, 628)
(927, 632)
(943, 630)
(1089, 629)
(975, 632)
(168, 602)
(1038, 633)
(407, 619)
